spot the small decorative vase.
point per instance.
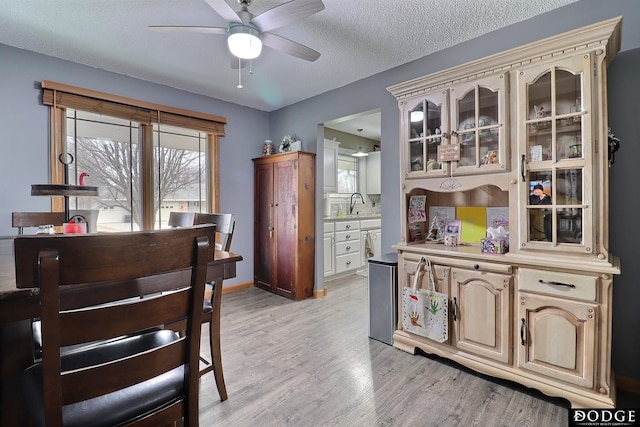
(267, 148)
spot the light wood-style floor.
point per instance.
(311, 363)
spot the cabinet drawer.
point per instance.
(347, 247)
(347, 262)
(558, 283)
(328, 227)
(471, 265)
(343, 236)
(371, 223)
(347, 225)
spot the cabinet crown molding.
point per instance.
(602, 35)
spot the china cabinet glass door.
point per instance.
(427, 121)
(557, 156)
(479, 117)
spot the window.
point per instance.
(107, 150)
(180, 171)
(347, 174)
(145, 159)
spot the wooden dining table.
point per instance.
(18, 306)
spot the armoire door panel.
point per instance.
(263, 225)
(285, 184)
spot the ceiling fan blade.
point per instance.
(289, 47)
(287, 13)
(223, 9)
(188, 29)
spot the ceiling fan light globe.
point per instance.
(244, 41)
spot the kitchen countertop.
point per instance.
(351, 217)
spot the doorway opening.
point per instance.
(352, 193)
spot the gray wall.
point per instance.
(24, 130)
(24, 137)
(624, 92)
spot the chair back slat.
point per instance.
(181, 219)
(225, 224)
(113, 320)
(165, 272)
(20, 220)
(80, 384)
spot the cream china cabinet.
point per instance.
(482, 135)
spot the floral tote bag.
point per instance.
(425, 311)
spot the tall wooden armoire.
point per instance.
(284, 224)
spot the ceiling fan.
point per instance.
(247, 33)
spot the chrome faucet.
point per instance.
(352, 203)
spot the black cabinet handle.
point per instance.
(522, 160)
(455, 309)
(550, 282)
(522, 331)
(476, 267)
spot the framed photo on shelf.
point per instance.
(417, 209)
(453, 226)
(415, 233)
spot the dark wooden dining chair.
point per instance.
(125, 367)
(20, 220)
(225, 224)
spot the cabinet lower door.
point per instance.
(557, 338)
(481, 312)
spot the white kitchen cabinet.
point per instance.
(329, 257)
(374, 177)
(347, 246)
(371, 227)
(541, 314)
(330, 166)
(375, 241)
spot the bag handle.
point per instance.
(429, 271)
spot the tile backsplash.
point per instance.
(338, 203)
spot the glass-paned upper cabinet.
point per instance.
(427, 121)
(479, 126)
(556, 157)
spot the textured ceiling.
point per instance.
(356, 39)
